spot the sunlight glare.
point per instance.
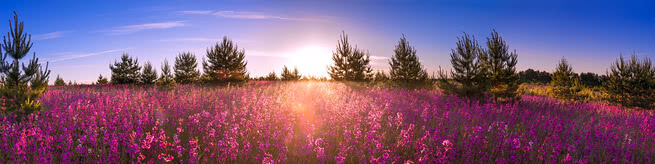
(311, 60)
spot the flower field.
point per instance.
(318, 122)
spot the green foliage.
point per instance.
(126, 71)
(271, 77)
(166, 80)
(565, 84)
(406, 69)
(59, 81)
(149, 74)
(186, 68)
(380, 77)
(499, 65)
(102, 80)
(591, 79)
(225, 63)
(468, 77)
(350, 63)
(532, 76)
(631, 83)
(288, 75)
(21, 86)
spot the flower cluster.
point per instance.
(317, 122)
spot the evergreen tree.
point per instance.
(59, 81)
(500, 69)
(186, 68)
(126, 71)
(532, 76)
(21, 85)
(288, 75)
(350, 63)
(271, 77)
(380, 77)
(565, 85)
(591, 79)
(405, 66)
(102, 80)
(631, 83)
(166, 80)
(149, 74)
(225, 63)
(468, 72)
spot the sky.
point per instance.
(80, 39)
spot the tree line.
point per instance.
(477, 72)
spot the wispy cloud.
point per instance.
(148, 26)
(241, 15)
(70, 57)
(204, 12)
(51, 35)
(189, 39)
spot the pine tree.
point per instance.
(126, 71)
(186, 68)
(350, 63)
(166, 80)
(631, 83)
(59, 81)
(405, 66)
(565, 85)
(468, 72)
(288, 75)
(22, 84)
(380, 77)
(500, 68)
(271, 76)
(149, 74)
(225, 63)
(102, 80)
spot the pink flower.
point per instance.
(165, 157)
(339, 159)
(567, 158)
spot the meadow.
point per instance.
(318, 122)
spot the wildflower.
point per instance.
(339, 159)
(567, 158)
(165, 157)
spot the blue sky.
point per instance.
(81, 38)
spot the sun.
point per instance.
(311, 60)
